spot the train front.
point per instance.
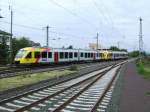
(20, 56)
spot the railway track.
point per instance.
(82, 93)
(14, 71)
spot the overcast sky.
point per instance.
(76, 22)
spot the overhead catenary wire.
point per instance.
(110, 18)
(73, 13)
(67, 10)
(24, 26)
(107, 15)
(39, 29)
(101, 13)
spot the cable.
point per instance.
(100, 11)
(41, 29)
(110, 18)
(72, 13)
(24, 26)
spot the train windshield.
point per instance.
(20, 54)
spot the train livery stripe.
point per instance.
(42, 50)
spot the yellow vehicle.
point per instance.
(106, 55)
(29, 55)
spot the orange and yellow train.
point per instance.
(34, 55)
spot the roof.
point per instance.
(4, 33)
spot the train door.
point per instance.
(56, 57)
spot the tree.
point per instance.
(70, 47)
(114, 48)
(134, 54)
(19, 43)
(124, 50)
(4, 50)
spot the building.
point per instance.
(94, 46)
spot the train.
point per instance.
(39, 55)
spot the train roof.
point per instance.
(45, 48)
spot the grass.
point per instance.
(74, 68)
(143, 67)
(148, 93)
(22, 80)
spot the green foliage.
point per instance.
(3, 50)
(134, 54)
(143, 67)
(23, 80)
(124, 50)
(148, 93)
(19, 43)
(114, 48)
(70, 47)
(74, 68)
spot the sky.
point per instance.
(76, 22)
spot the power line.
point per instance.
(111, 19)
(72, 13)
(41, 29)
(108, 17)
(24, 26)
(99, 10)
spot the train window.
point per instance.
(61, 55)
(29, 55)
(66, 54)
(37, 55)
(44, 54)
(86, 55)
(21, 53)
(75, 54)
(92, 55)
(49, 54)
(100, 54)
(89, 55)
(70, 55)
(81, 54)
(97, 54)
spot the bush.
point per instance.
(74, 68)
(141, 67)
